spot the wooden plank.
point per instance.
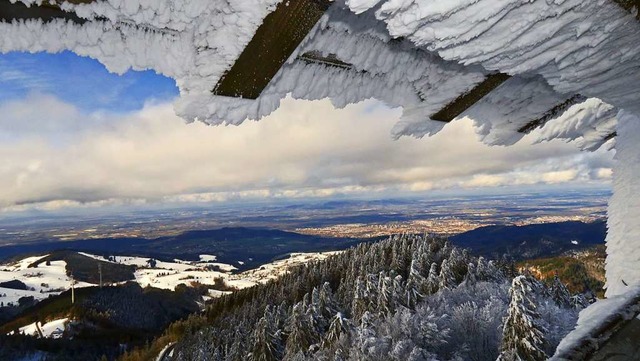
(46, 12)
(275, 40)
(630, 5)
(602, 333)
(554, 112)
(468, 99)
(315, 57)
(610, 136)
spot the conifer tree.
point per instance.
(471, 277)
(385, 295)
(359, 303)
(433, 280)
(416, 287)
(446, 278)
(339, 327)
(327, 303)
(300, 335)
(560, 293)
(523, 336)
(266, 339)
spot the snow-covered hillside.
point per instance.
(51, 329)
(50, 278)
(41, 281)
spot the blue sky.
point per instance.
(74, 135)
(80, 81)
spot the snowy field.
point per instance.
(51, 329)
(273, 270)
(41, 281)
(52, 279)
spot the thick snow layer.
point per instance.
(415, 54)
(193, 42)
(554, 50)
(589, 123)
(579, 47)
(623, 238)
(51, 329)
(595, 316)
(514, 104)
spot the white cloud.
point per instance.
(560, 176)
(53, 154)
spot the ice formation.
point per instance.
(623, 254)
(415, 54)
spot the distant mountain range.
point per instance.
(256, 246)
(251, 246)
(532, 241)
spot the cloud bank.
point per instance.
(54, 154)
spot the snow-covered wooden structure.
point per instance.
(570, 68)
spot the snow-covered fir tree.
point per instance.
(436, 303)
(560, 293)
(416, 287)
(523, 334)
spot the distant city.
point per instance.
(336, 218)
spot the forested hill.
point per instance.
(533, 240)
(405, 298)
(251, 246)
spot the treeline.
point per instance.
(105, 322)
(131, 307)
(405, 298)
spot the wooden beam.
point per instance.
(273, 43)
(630, 5)
(554, 112)
(46, 12)
(609, 137)
(468, 99)
(602, 333)
(315, 57)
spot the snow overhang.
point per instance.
(236, 59)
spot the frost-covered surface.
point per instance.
(588, 123)
(579, 47)
(41, 281)
(423, 300)
(51, 329)
(414, 54)
(276, 269)
(595, 316)
(193, 42)
(500, 114)
(623, 238)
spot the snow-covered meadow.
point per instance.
(41, 281)
(50, 278)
